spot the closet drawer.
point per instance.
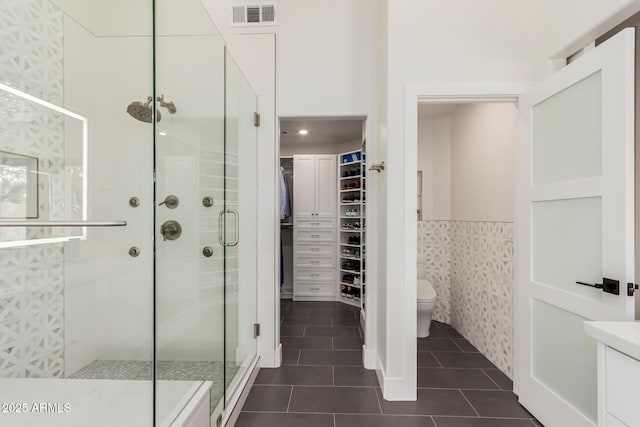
(314, 289)
(315, 235)
(320, 250)
(314, 261)
(315, 274)
(316, 224)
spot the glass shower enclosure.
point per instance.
(128, 200)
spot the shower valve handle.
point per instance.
(171, 201)
(171, 230)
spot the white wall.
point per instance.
(483, 142)
(571, 24)
(434, 160)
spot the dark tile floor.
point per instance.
(322, 382)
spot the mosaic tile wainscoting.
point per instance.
(31, 277)
(471, 267)
(434, 250)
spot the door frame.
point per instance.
(451, 92)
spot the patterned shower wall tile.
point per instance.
(31, 278)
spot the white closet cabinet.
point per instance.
(314, 186)
(314, 227)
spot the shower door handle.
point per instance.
(237, 227)
(222, 227)
(120, 223)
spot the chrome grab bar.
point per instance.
(237, 230)
(121, 223)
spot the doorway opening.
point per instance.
(465, 199)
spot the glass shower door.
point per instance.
(239, 224)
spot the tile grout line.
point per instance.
(437, 360)
(379, 404)
(290, 395)
(299, 357)
(334, 420)
(497, 385)
(472, 407)
(433, 420)
(456, 344)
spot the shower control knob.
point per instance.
(171, 230)
(171, 201)
(134, 202)
(207, 202)
(134, 251)
(207, 251)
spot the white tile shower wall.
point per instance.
(482, 288)
(31, 278)
(471, 267)
(434, 249)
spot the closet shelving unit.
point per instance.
(352, 227)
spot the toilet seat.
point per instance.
(426, 293)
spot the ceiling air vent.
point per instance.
(253, 14)
(268, 13)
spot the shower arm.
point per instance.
(170, 106)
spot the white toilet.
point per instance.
(426, 301)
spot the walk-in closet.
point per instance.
(322, 210)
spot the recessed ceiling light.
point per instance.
(303, 132)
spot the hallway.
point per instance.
(322, 382)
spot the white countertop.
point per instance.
(622, 336)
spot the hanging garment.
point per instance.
(285, 199)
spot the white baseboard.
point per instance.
(395, 388)
(271, 359)
(369, 359)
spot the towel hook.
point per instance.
(378, 167)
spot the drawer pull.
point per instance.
(315, 289)
(315, 236)
(315, 262)
(315, 249)
(315, 275)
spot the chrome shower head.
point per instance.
(143, 111)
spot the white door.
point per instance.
(304, 179)
(575, 224)
(326, 187)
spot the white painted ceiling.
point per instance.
(429, 111)
(111, 18)
(321, 131)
